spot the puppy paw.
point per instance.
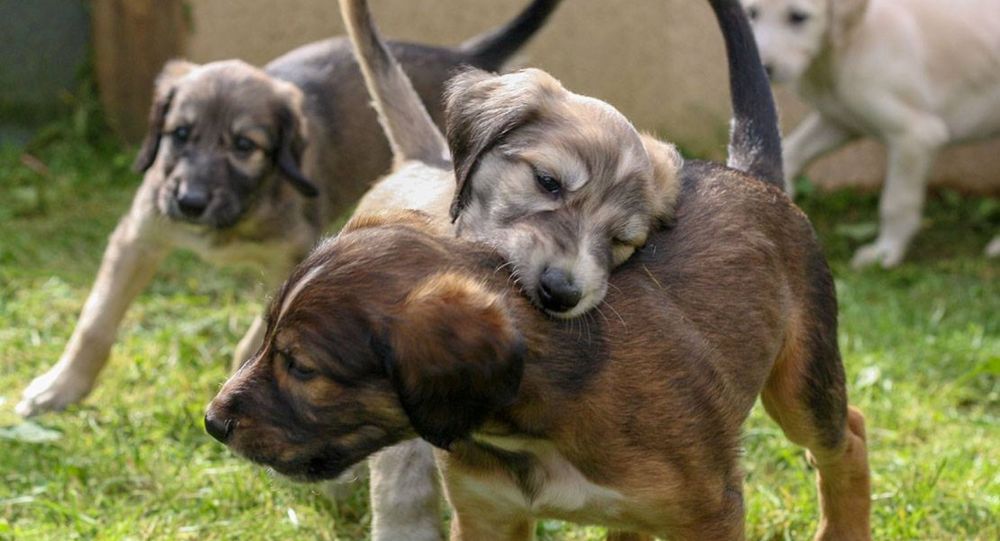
(993, 248)
(53, 391)
(887, 255)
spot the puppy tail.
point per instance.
(491, 50)
(411, 132)
(754, 139)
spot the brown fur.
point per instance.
(638, 412)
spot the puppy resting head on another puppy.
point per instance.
(562, 185)
(219, 135)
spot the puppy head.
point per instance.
(561, 185)
(377, 337)
(219, 136)
(792, 33)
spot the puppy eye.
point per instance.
(296, 369)
(753, 13)
(548, 183)
(796, 17)
(181, 134)
(244, 144)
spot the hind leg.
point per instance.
(806, 396)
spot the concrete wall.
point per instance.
(661, 62)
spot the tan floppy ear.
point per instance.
(844, 16)
(456, 357)
(292, 140)
(667, 163)
(163, 95)
(481, 109)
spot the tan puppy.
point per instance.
(916, 74)
(396, 329)
(562, 185)
(249, 166)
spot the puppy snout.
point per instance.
(557, 290)
(192, 202)
(218, 427)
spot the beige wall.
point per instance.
(661, 62)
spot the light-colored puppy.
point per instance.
(916, 74)
(562, 185)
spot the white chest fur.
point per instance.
(560, 490)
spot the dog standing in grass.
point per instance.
(396, 329)
(915, 74)
(249, 166)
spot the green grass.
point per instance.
(921, 345)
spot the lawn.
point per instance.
(921, 345)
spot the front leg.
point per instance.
(250, 342)
(911, 155)
(405, 493)
(133, 254)
(814, 137)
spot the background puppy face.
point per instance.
(789, 34)
(368, 344)
(221, 135)
(560, 184)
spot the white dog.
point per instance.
(916, 74)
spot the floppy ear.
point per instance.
(481, 109)
(456, 357)
(292, 140)
(163, 95)
(844, 16)
(667, 163)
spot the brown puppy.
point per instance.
(395, 329)
(246, 165)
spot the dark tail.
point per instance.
(411, 132)
(755, 140)
(491, 50)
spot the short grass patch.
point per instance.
(921, 345)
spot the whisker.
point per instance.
(620, 318)
(599, 311)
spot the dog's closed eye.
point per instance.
(295, 367)
(548, 183)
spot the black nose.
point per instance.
(557, 291)
(769, 70)
(219, 429)
(192, 202)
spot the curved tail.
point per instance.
(489, 51)
(755, 139)
(411, 132)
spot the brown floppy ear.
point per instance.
(844, 16)
(456, 357)
(667, 163)
(481, 109)
(292, 140)
(163, 95)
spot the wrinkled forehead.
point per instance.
(581, 140)
(231, 94)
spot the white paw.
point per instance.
(53, 391)
(886, 254)
(993, 248)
